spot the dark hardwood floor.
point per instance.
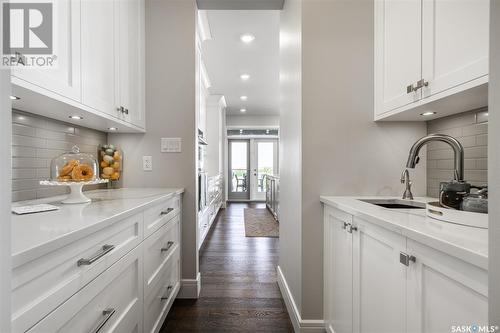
(238, 276)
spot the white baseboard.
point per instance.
(300, 325)
(190, 288)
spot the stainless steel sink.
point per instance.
(395, 203)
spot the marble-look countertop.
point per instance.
(35, 235)
(467, 243)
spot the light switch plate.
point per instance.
(147, 163)
(171, 145)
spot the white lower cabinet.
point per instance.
(120, 279)
(161, 294)
(379, 285)
(338, 272)
(110, 303)
(444, 291)
(376, 280)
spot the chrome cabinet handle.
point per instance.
(411, 88)
(125, 110)
(105, 250)
(405, 258)
(166, 248)
(418, 85)
(169, 291)
(107, 313)
(422, 83)
(345, 225)
(168, 211)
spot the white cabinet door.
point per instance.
(379, 279)
(131, 60)
(338, 272)
(64, 77)
(114, 300)
(99, 54)
(444, 291)
(397, 53)
(455, 43)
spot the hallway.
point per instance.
(238, 276)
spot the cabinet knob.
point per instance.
(126, 111)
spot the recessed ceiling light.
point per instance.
(112, 128)
(428, 113)
(243, 98)
(76, 117)
(245, 77)
(243, 110)
(247, 38)
(14, 98)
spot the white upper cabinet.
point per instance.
(430, 55)
(398, 53)
(455, 43)
(99, 55)
(64, 78)
(99, 71)
(131, 60)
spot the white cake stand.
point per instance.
(76, 195)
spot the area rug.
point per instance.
(260, 223)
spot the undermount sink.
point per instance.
(395, 203)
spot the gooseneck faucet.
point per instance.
(457, 147)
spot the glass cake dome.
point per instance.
(74, 166)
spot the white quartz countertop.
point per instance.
(467, 243)
(34, 235)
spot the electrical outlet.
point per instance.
(147, 163)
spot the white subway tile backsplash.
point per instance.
(35, 142)
(19, 151)
(471, 129)
(23, 130)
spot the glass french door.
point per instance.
(239, 170)
(263, 161)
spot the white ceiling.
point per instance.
(226, 57)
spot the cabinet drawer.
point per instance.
(41, 285)
(161, 295)
(160, 214)
(158, 249)
(113, 301)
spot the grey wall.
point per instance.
(36, 141)
(341, 150)
(170, 112)
(494, 164)
(471, 129)
(290, 249)
(252, 121)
